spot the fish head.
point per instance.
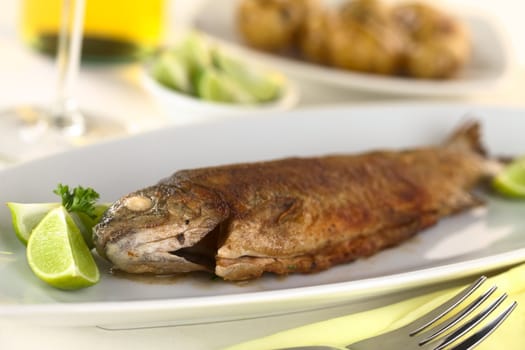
(161, 229)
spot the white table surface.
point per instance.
(115, 91)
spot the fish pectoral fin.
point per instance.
(280, 210)
(291, 208)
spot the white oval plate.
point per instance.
(490, 64)
(462, 245)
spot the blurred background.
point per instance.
(111, 81)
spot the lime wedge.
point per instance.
(172, 69)
(511, 180)
(58, 255)
(196, 50)
(26, 216)
(195, 67)
(216, 86)
(264, 86)
(85, 223)
(210, 87)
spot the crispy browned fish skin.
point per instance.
(307, 214)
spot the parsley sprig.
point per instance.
(79, 199)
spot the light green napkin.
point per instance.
(348, 329)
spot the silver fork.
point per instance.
(426, 333)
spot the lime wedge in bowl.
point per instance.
(511, 180)
(198, 79)
(172, 70)
(263, 85)
(213, 85)
(25, 217)
(58, 254)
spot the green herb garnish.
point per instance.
(79, 200)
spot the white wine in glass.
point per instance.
(114, 31)
(31, 131)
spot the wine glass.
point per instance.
(31, 131)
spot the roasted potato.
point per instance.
(410, 39)
(271, 25)
(313, 37)
(364, 39)
(439, 45)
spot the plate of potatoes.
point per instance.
(394, 47)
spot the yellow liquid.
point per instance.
(113, 29)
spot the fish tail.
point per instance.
(468, 138)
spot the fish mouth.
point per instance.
(203, 252)
(186, 251)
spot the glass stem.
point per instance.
(65, 115)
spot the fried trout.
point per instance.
(294, 215)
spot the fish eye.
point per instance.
(138, 203)
(187, 222)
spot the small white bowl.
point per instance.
(184, 109)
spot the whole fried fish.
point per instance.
(290, 215)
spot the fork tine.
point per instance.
(443, 309)
(487, 330)
(452, 337)
(435, 332)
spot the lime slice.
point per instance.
(58, 255)
(216, 86)
(264, 86)
(210, 87)
(196, 50)
(511, 180)
(85, 223)
(171, 69)
(26, 216)
(179, 67)
(195, 67)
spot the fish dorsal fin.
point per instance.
(467, 137)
